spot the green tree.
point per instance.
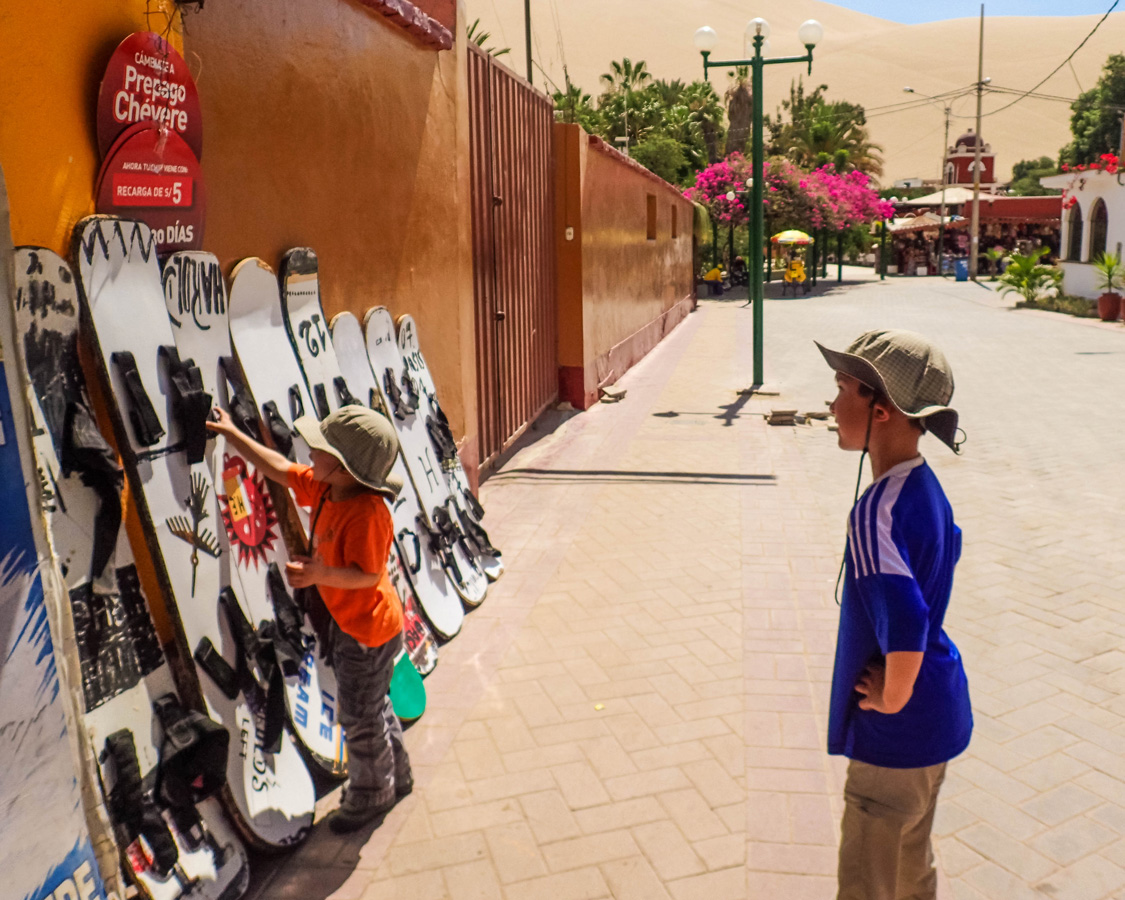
(814, 132)
(1032, 281)
(705, 109)
(1026, 174)
(663, 156)
(1096, 120)
(574, 107)
(480, 37)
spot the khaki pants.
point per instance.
(885, 851)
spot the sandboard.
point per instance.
(469, 510)
(123, 667)
(437, 518)
(308, 332)
(157, 417)
(415, 569)
(45, 846)
(196, 299)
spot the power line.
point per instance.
(1055, 71)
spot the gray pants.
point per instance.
(885, 850)
(376, 756)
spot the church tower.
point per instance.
(960, 158)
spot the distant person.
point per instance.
(899, 706)
(714, 279)
(347, 486)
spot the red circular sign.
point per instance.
(153, 175)
(146, 80)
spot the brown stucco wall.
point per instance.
(327, 126)
(619, 291)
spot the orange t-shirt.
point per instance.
(353, 532)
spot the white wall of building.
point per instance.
(1079, 277)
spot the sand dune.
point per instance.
(862, 58)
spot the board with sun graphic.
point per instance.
(195, 296)
(248, 514)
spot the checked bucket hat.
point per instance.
(364, 442)
(911, 371)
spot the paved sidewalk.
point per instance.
(638, 708)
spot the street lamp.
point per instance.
(809, 34)
(948, 108)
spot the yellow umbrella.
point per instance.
(792, 236)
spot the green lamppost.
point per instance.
(809, 34)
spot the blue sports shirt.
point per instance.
(898, 575)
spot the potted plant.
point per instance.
(1110, 276)
(1028, 278)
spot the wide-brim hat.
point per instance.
(909, 370)
(364, 442)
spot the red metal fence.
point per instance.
(513, 252)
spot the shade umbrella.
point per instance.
(792, 236)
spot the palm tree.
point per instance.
(621, 81)
(626, 76)
(833, 134)
(740, 109)
(480, 37)
(706, 111)
(668, 92)
(573, 105)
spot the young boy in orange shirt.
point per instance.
(351, 532)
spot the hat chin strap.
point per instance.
(855, 499)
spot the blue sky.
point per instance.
(932, 10)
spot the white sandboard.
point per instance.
(421, 463)
(270, 796)
(45, 844)
(122, 663)
(196, 299)
(430, 412)
(415, 570)
(308, 332)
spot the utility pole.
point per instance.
(974, 246)
(941, 225)
(527, 36)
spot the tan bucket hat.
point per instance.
(910, 370)
(364, 442)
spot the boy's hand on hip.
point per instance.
(303, 571)
(871, 684)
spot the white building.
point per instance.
(1093, 225)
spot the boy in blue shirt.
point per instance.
(900, 700)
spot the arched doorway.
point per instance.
(1099, 223)
(1074, 233)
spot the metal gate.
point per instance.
(512, 164)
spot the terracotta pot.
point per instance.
(1109, 306)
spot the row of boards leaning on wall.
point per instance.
(193, 686)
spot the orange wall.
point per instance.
(52, 57)
(619, 291)
(326, 126)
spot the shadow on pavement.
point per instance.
(633, 477)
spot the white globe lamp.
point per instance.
(810, 33)
(706, 39)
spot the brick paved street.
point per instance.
(638, 709)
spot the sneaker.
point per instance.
(351, 818)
